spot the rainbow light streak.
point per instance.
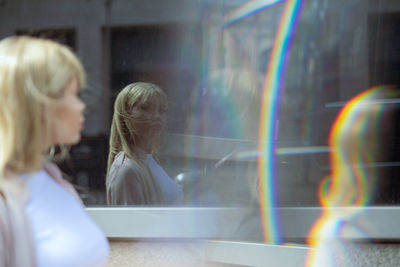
(349, 183)
(269, 110)
(351, 120)
(247, 10)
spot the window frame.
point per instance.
(295, 222)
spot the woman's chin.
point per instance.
(73, 141)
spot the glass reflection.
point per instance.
(215, 62)
(133, 175)
(362, 140)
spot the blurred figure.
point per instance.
(133, 175)
(42, 220)
(227, 105)
(363, 137)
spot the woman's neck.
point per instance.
(145, 147)
(139, 154)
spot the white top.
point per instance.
(171, 191)
(64, 235)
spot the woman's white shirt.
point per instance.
(171, 191)
(64, 234)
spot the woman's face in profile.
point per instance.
(150, 117)
(67, 122)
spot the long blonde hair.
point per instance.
(125, 136)
(33, 75)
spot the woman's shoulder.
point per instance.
(54, 172)
(123, 167)
(123, 161)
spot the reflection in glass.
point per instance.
(133, 175)
(363, 146)
(211, 59)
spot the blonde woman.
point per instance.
(42, 220)
(133, 175)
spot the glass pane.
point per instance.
(254, 89)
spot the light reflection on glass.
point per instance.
(358, 140)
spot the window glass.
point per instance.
(253, 87)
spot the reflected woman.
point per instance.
(133, 176)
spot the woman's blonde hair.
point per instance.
(125, 135)
(33, 74)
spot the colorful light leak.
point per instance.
(351, 181)
(269, 111)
